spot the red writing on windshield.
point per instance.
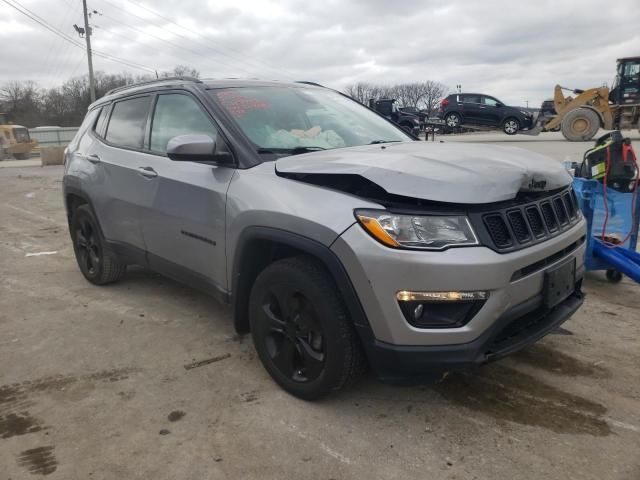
(238, 105)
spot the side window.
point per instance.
(86, 125)
(470, 98)
(127, 123)
(174, 115)
(101, 123)
(490, 101)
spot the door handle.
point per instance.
(147, 172)
(95, 159)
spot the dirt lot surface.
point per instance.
(146, 379)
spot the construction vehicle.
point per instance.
(580, 118)
(14, 140)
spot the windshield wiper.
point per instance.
(265, 150)
(376, 142)
(297, 150)
(289, 151)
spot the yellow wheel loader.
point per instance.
(580, 117)
(15, 140)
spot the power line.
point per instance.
(51, 66)
(253, 64)
(123, 24)
(28, 13)
(243, 54)
(66, 52)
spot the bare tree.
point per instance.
(434, 92)
(423, 95)
(360, 91)
(67, 104)
(21, 101)
(182, 71)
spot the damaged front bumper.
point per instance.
(518, 327)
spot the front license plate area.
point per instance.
(559, 283)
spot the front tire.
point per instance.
(511, 126)
(580, 124)
(301, 329)
(97, 262)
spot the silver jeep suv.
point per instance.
(340, 241)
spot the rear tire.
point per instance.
(511, 126)
(301, 329)
(580, 125)
(453, 120)
(97, 262)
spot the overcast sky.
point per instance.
(515, 50)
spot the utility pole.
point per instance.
(87, 36)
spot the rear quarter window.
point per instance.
(101, 124)
(128, 121)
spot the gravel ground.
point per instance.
(146, 379)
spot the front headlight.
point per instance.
(429, 232)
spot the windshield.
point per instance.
(294, 120)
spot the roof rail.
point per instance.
(306, 82)
(155, 80)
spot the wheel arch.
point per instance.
(509, 117)
(259, 246)
(73, 198)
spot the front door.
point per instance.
(491, 113)
(185, 228)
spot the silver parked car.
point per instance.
(340, 241)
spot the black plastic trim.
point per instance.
(137, 256)
(411, 364)
(240, 290)
(551, 200)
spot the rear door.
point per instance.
(472, 108)
(184, 230)
(124, 188)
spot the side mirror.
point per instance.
(198, 148)
(499, 105)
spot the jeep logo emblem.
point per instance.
(537, 184)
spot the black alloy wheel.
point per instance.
(293, 336)
(301, 329)
(87, 247)
(97, 262)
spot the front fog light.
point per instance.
(405, 295)
(440, 309)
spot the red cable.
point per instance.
(633, 201)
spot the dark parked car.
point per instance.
(421, 114)
(478, 109)
(388, 107)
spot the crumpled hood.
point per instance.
(443, 172)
